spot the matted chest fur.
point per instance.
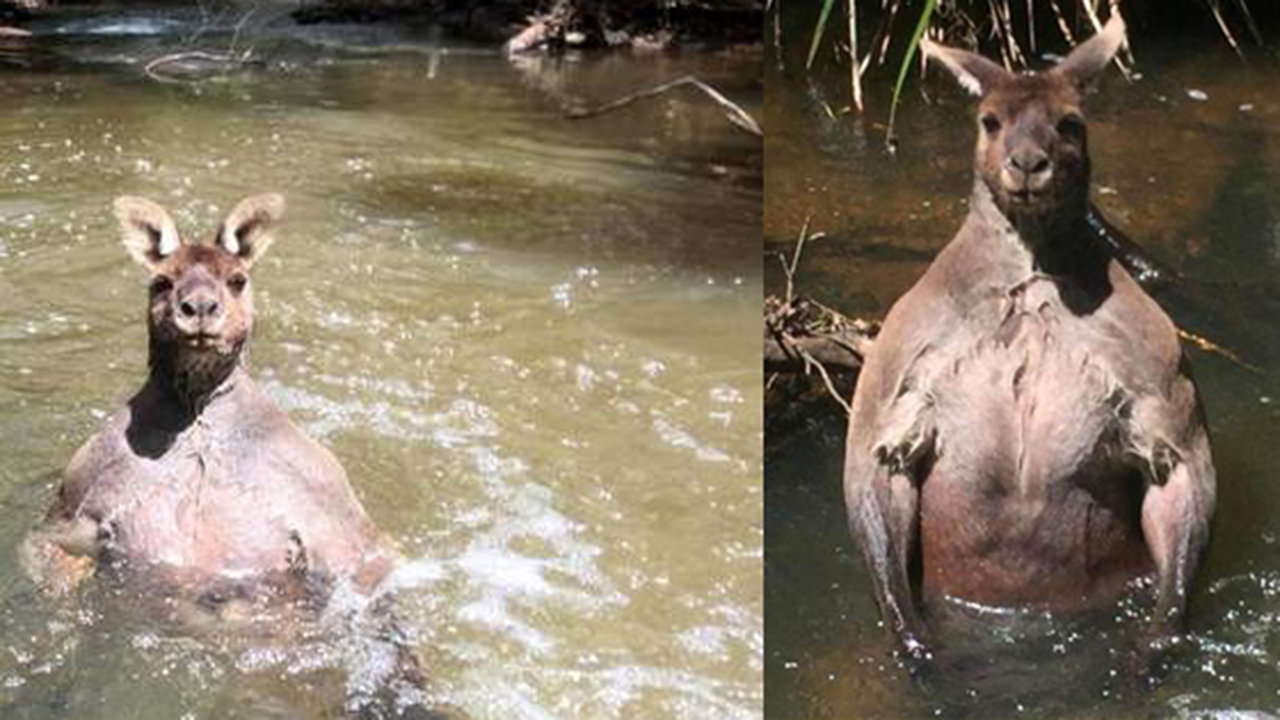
(1030, 494)
(237, 492)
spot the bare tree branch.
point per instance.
(229, 59)
(733, 112)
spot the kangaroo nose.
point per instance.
(200, 305)
(1029, 162)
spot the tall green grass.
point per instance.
(993, 15)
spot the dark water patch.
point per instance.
(1181, 160)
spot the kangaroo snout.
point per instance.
(200, 306)
(1027, 170)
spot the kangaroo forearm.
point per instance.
(885, 525)
(1175, 521)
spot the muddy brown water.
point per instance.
(1189, 175)
(522, 336)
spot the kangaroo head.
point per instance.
(1032, 151)
(201, 301)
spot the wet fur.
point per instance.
(200, 477)
(1026, 432)
(200, 490)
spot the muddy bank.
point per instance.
(517, 25)
(524, 25)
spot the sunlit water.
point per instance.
(524, 337)
(1186, 160)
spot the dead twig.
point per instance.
(802, 335)
(733, 112)
(1222, 25)
(1214, 348)
(239, 28)
(809, 363)
(790, 267)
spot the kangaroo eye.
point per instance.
(1071, 126)
(991, 124)
(237, 283)
(161, 285)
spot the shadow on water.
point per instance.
(1189, 180)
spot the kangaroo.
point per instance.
(1026, 431)
(201, 479)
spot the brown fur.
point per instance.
(200, 478)
(1025, 431)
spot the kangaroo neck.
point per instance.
(1059, 242)
(190, 382)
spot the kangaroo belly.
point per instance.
(196, 529)
(187, 515)
(1029, 499)
(1068, 549)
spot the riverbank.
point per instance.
(516, 25)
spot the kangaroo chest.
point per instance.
(1028, 495)
(203, 505)
(1033, 398)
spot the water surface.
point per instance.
(522, 336)
(1190, 179)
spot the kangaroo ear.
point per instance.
(975, 73)
(147, 230)
(1090, 58)
(248, 229)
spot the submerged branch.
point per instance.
(733, 112)
(227, 59)
(219, 61)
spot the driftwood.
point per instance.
(805, 331)
(803, 335)
(733, 112)
(543, 29)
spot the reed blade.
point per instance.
(921, 25)
(818, 30)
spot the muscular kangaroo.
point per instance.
(200, 478)
(1026, 431)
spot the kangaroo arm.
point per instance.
(884, 518)
(1178, 504)
(1175, 524)
(891, 431)
(60, 554)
